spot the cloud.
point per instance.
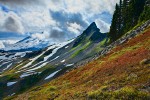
(59, 18)
(39, 36)
(57, 34)
(23, 4)
(75, 28)
(10, 22)
(66, 22)
(1, 45)
(63, 18)
(37, 21)
(104, 27)
(86, 7)
(13, 24)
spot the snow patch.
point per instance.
(42, 65)
(63, 61)
(56, 49)
(11, 83)
(56, 46)
(25, 75)
(12, 94)
(7, 67)
(51, 75)
(19, 64)
(2, 57)
(21, 54)
(28, 74)
(54, 58)
(68, 65)
(32, 60)
(66, 47)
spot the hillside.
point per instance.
(123, 73)
(92, 66)
(25, 69)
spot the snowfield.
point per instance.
(55, 48)
(27, 43)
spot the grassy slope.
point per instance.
(123, 73)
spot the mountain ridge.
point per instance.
(92, 66)
(84, 82)
(37, 65)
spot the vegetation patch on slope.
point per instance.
(126, 76)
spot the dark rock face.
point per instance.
(92, 33)
(97, 36)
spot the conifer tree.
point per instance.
(127, 15)
(114, 26)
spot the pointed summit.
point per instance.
(92, 33)
(92, 27)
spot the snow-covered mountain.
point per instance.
(27, 44)
(4, 43)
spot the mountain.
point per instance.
(123, 73)
(92, 33)
(25, 64)
(28, 44)
(92, 66)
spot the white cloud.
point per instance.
(1, 45)
(34, 15)
(83, 6)
(74, 28)
(40, 36)
(37, 20)
(103, 26)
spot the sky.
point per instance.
(58, 20)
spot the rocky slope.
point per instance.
(122, 73)
(22, 70)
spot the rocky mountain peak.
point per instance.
(92, 33)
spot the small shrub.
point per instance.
(52, 88)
